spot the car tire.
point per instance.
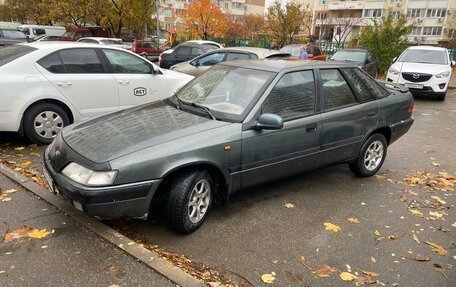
(42, 122)
(190, 198)
(441, 97)
(371, 156)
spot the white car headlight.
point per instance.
(89, 177)
(443, 74)
(393, 71)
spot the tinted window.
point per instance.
(237, 56)
(183, 51)
(377, 90)
(39, 31)
(354, 56)
(80, 61)
(147, 45)
(196, 51)
(293, 96)
(336, 92)
(313, 50)
(9, 54)
(211, 59)
(125, 63)
(362, 92)
(52, 63)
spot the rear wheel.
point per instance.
(43, 122)
(371, 156)
(190, 198)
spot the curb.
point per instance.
(151, 259)
(452, 87)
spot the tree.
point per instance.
(284, 21)
(387, 38)
(202, 19)
(253, 24)
(344, 26)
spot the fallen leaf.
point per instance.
(38, 234)
(437, 201)
(26, 164)
(289, 205)
(114, 285)
(324, 271)
(332, 227)
(435, 163)
(268, 278)
(403, 198)
(353, 220)
(437, 248)
(416, 212)
(19, 148)
(454, 224)
(376, 232)
(347, 276)
(369, 273)
(18, 233)
(380, 176)
(415, 237)
(392, 237)
(373, 259)
(5, 199)
(10, 191)
(418, 257)
(435, 214)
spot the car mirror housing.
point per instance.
(194, 63)
(394, 59)
(269, 122)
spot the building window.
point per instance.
(414, 13)
(323, 2)
(373, 13)
(320, 15)
(167, 13)
(416, 31)
(239, 6)
(396, 15)
(432, 31)
(436, 13)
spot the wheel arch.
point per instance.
(385, 131)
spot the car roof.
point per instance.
(260, 52)
(55, 45)
(430, 48)
(280, 65)
(99, 38)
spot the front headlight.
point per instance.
(393, 71)
(443, 75)
(89, 177)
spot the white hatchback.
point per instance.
(48, 85)
(425, 70)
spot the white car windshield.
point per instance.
(225, 89)
(425, 57)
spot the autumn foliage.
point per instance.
(204, 19)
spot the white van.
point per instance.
(33, 31)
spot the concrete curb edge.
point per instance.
(150, 258)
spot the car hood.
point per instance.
(420, 68)
(114, 135)
(176, 74)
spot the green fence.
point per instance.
(329, 48)
(452, 53)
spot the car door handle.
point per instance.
(311, 128)
(64, 84)
(372, 114)
(123, 82)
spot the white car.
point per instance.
(48, 85)
(425, 70)
(114, 42)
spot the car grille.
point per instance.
(416, 77)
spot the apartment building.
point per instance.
(342, 19)
(171, 11)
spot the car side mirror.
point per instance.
(194, 63)
(453, 63)
(269, 122)
(394, 59)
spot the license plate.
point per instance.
(48, 178)
(414, 86)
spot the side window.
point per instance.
(293, 96)
(377, 90)
(123, 63)
(253, 56)
(336, 92)
(52, 63)
(196, 51)
(211, 59)
(81, 61)
(237, 56)
(78, 36)
(183, 51)
(39, 31)
(362, 92)
(147, 45)
(88, 41)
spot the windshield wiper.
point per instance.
(208, 111)
(179, 101)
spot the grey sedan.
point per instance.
(241, 124)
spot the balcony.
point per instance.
(346, 5)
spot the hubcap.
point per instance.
(47, 124)
(373, 156)
(199, 200)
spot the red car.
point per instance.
(314, 51)
(78, 33)
(146, 48)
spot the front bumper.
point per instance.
(109, 202)
(431, 87)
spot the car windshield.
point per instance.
(292, 50)
(225, 89)
(68, 35)
(11, 53)
(425, 57)
(352, 56)
(13, 34)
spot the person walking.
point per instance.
(304, 55)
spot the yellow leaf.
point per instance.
(415, 237)
(437, 200)
(353, 220)
(38, 234)
(268, 278)
(416, 212)
(392, 237)
(332, 227)
(435, 214)
(376, 232)
(435, 163)
(5, 199)
(454, 224)
(19, 148)
(324, 271)
(26, 164)
(289, 205)
(10, 191)
(380, 176)
(347, 276)
(373, 259)
(437, 248)
(369, 273)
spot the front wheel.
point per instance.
(371, 156)
(190, 198)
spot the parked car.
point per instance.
(46, 38)
(10, 37)
(34, 31)
(48, 85)
(314, 51)
(200, 64)
(77, 33)
(240, 124)
(114, 42)
(362, 58)
(146, 48)
(425, 70)
(186, 51)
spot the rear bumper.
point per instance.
(110, 202)
(400, 128)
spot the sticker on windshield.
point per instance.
(140, 91)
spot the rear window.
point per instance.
(11, 53)
(13, 34)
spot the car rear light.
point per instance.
(410, 108)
